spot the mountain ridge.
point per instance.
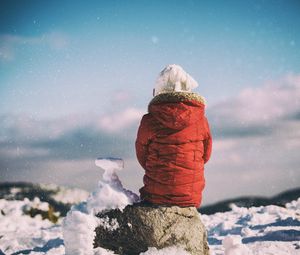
(249, 201)
(48, 193)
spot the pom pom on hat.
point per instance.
(174, 79)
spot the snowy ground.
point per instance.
(256, 231)
(263, 231)
(269, 230)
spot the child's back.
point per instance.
(174, 142)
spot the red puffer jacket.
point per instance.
(173, 144)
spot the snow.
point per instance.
(255, 230)
(110, 165)
(295, 206)
(36, 203)
(61, 194)
(110, 193)
(80, 222)
(241, 231)
(21, 234)
(70, 195)
(169, 250)
(230, 233)
(233, 246)
(78, 232)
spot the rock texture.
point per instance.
(140, 226)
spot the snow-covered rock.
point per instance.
(141, 226)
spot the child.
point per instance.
(174, 141)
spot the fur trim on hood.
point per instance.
(177, 97)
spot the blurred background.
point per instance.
(77, 76)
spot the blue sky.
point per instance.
(76, 76)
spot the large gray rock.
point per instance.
(141, 226)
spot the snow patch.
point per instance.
(78, 232)
(233, 246)
(20, 232)
(101, 251)
(295, 206)
(35, 203)
(173, 250)
(70, 195)
(109, 224)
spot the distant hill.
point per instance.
(62, 198)
(280, 200)
(59, 197)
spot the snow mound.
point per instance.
(78, 232)
(80, 222)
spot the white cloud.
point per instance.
(24, 139)
(24, 127)
(260, 106)
(10, 43)
(117, 122)
(256, 165)
(256, 142)
(23, 152)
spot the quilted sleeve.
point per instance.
(142, 141)
(207, 143)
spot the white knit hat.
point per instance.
(174, 79)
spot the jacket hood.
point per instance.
(177, 110)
